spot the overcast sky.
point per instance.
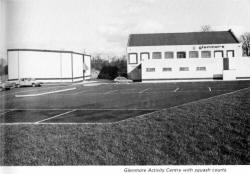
(104, 25)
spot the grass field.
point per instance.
(208, 131)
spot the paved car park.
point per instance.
(102, 103)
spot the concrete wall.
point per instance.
(13, 65)
(213, 67)
(46, 66)
(40, 65)
(241, 66)
(87, 61)
(66, 66)
(77, 67)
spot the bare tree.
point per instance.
(245, 40)
(206, 28)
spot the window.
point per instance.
(218, 54)
(206, 54)
(166, 69)
(230, 53)
(132, 58)
(150, 69)
(156, 55)
(184, 68)
(169, 55)
(144, 56)
(181, 55)
(193, 54)
(203, 68)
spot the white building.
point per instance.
(48, 65)
(186, 56)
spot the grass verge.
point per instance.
(213, 131)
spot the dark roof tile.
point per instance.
(191, 38)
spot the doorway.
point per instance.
(226, 64)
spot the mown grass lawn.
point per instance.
(213, 131)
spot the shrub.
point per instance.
(110, 69)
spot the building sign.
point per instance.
(211, 46)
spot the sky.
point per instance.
(102, 26)
(2, 31)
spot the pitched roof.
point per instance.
(191, 38)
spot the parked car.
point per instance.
(28, 82)
(7, 85)
(121, 79)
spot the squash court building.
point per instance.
(48, 65)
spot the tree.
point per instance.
(117, 66)
(6, 69)
(206, 28)
(1, 70)
(245, 40)
(98, 63)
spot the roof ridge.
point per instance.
(182, 32)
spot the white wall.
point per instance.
(13, 65)
(213, 65)
(39, 64)
(66, 65)
(78, 67)
(241, 66)
(47, 66)
(87, 61)
(139, 49)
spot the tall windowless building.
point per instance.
(48, 65)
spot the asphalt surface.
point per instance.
(98, 103)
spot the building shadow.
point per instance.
(135, 74)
